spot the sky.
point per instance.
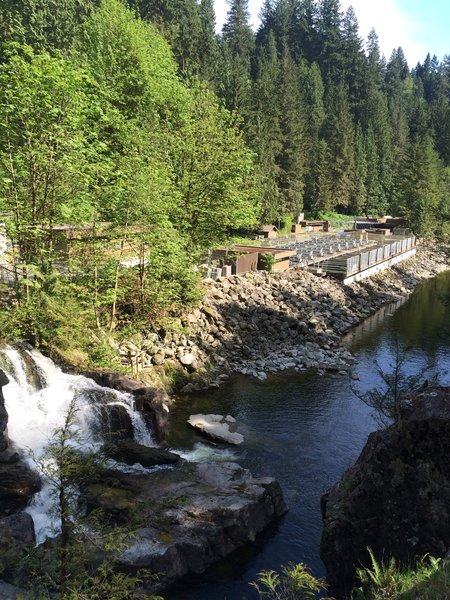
(418, 26)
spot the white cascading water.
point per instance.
(36, 410)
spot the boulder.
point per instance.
(130, 452)
(218, 427)
(18, 529)
(194, 515)
(3, 414)
(115, 422)
(18, 483)
(155, 403)
(11, 592)
(396, 499)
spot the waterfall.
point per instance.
(37, 400)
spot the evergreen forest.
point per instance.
(156, 138)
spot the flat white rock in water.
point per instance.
(218, 427)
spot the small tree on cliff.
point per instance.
(80, 562)
(396, 385)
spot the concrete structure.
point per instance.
(358, 264)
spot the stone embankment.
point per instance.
(261, 323)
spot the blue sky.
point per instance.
(418, 26)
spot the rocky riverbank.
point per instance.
(396, 498)
(261, 323)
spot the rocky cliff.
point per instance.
(396, 499)
(3, 414)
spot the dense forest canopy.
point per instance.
(138, 114)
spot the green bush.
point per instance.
(294, 583)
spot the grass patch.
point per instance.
(429, 580)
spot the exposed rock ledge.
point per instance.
(192, 515)
(396, 499)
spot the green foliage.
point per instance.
(105, 119)
(133, 63)
(214, 172)
(43, 24)
(50, 155)
(268, 261)
(103, 356)
(428, 580)
(337, 220)
(294, 583)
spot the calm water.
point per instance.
(305, 430)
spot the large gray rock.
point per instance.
(130, 453)
(396, 499)
(3, 414)
(218, 427)
(155, 403)
(18, 483)
(18, 529)
(193, 516)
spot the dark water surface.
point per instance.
(305, 429)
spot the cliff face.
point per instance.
(396, 499)
(3, 414)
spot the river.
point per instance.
(305, 429)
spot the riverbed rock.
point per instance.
(154, 403)
(3, 414)
(243, 318)
(17, 529)
(396, 499)
(11, 592)
(218, 427)
(18, 483)
(130, 452)
(192, 515)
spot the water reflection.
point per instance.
(306, 429)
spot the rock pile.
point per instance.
(261, 323)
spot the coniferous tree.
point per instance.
(267, 26)
(338, 132)
(312, 90)
(373, 187)
(354, 62)
(239, 42)
(422, 190)
(292, 159)
(264, 129)
(303, 41)
(208, 47)
(375, 71)
(329, 39)
(323, 197)
(358, 189)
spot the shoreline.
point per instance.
(262, 323)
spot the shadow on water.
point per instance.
(305, 430)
